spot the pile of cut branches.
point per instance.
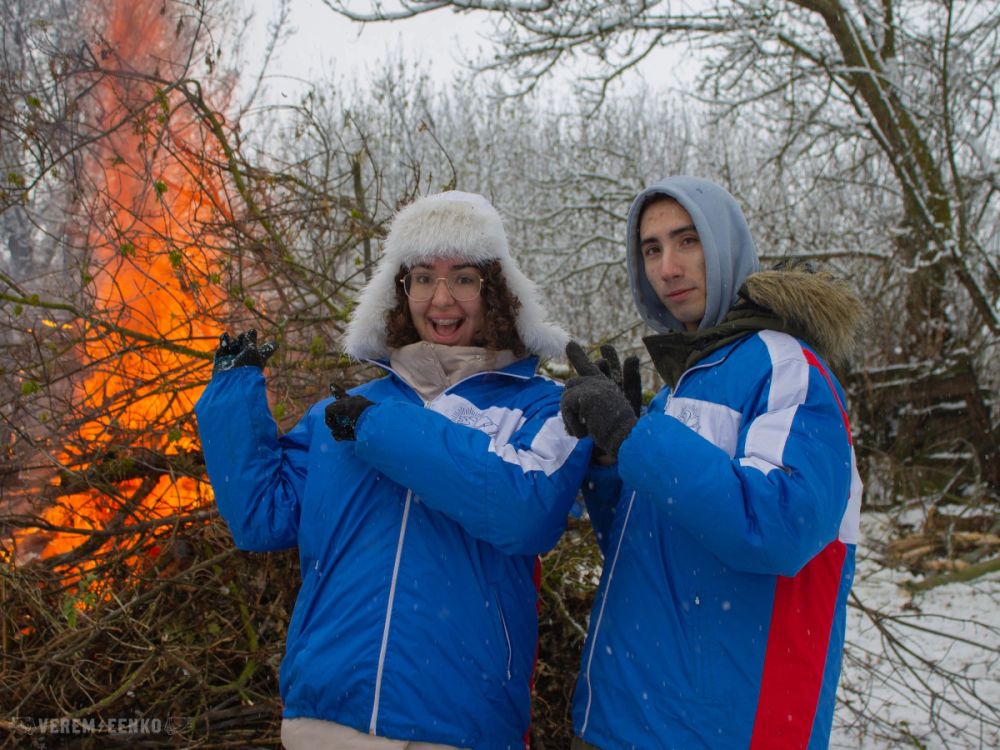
(950, 544)
(570, 574)
(174, 640)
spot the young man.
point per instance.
(729, 521)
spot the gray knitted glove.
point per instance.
(603, 401)
(596, 407)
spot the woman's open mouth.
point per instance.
(446, 328)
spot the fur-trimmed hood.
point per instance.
(449, 224)
(814, 306)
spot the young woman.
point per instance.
(418, 501)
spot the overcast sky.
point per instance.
(326, 43)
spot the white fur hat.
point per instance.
(446, 225)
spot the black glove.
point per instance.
(604, 401)
(343, 414)
(241, 352)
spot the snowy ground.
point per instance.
(924, 672)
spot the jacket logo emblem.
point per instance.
(690, 418)
(475, 419)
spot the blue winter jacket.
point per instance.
(728, 526)
(416, 618)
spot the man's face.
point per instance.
(673, 260)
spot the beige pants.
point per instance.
(313, 734)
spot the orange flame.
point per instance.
(153, 200)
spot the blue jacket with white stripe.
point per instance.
(728, 526)
(416, 619)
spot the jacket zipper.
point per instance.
(614, 562)
(600, 613)
(388, 613)
(399, 553)
(703, 366)
(506, 633)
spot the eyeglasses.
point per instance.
(464, 285)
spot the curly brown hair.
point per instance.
(500, 307)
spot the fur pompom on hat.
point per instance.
(447, 225)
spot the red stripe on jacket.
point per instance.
(799, 637)
(814, 361)
(797, 645)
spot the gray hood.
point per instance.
(730, 254)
